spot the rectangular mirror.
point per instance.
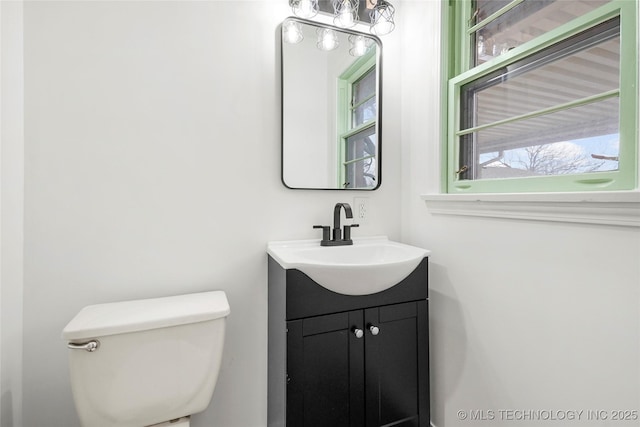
(331, 116)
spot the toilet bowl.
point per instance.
(146, 362)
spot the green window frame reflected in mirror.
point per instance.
(357, 119)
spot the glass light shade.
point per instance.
(292, 32)
(327, 39)
(382, 18)
(359, 45)
(345, 13)
(304, 8)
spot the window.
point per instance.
(358, 142)
(538, 99)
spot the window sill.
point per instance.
(619, 208)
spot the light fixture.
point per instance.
(381, 13)
(327, 39)
(359, 45)
(382, 17)
(292, 32)
(345, 13)
(304, 8)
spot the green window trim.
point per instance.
(344, 110)
(456, 73)
(492, 17)
(358, 159)
(343, 162)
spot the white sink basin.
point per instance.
(368, 266)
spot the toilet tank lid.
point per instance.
(100, 320)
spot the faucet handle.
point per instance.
(347, 231)
(325, 231)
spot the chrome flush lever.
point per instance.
(89, 346)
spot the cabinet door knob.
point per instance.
(374, 330)
(359, 333)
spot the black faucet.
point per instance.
(337, 236)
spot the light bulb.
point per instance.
(328, 43)
(382, 18)
(345, 12)
(384, 27)
(292, 32)
(306, 8)
(358, 45)
(327, 39)
(346, 16)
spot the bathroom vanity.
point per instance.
(347, 360)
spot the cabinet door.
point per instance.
(325, 371)
(397, 365)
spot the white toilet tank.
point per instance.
(157, 359)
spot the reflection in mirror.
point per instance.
(331, 114)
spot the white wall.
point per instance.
(136, 114)
(524, 315)
(307, 137)
(11, 201)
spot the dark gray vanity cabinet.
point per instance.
(347, 361)
(325, 371)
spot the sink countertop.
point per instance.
(370, 265)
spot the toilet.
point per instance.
(151, 362)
